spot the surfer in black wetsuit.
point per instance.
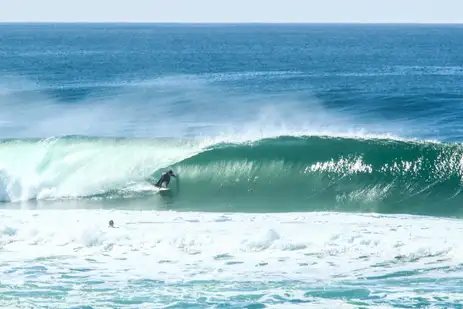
(165, 177)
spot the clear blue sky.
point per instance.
(414, 11)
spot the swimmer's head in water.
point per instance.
(111, 223)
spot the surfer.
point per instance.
(165, 178)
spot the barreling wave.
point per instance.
(275, 174)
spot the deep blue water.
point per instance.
(403, 78)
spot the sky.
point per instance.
(359, 11)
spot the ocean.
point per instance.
(319, 166)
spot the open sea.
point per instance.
(320, 166)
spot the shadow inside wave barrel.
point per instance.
(324, 174)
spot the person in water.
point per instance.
(165, 178)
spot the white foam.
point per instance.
(192, 241)
(60, 168)
(312, 250)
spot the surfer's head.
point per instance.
(170, 172)
(111, 223)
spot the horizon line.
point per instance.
(234, 22)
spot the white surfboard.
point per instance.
(141, 188)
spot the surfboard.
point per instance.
(165, 192)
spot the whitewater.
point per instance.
(320, 166)
(167, 259)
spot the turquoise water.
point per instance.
(320, 166)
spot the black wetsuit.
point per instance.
(164, 178)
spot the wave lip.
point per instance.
(277, 174)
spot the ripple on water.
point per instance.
(342, 293)
(224, 256)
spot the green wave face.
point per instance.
(269, 175)
(308, 174)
